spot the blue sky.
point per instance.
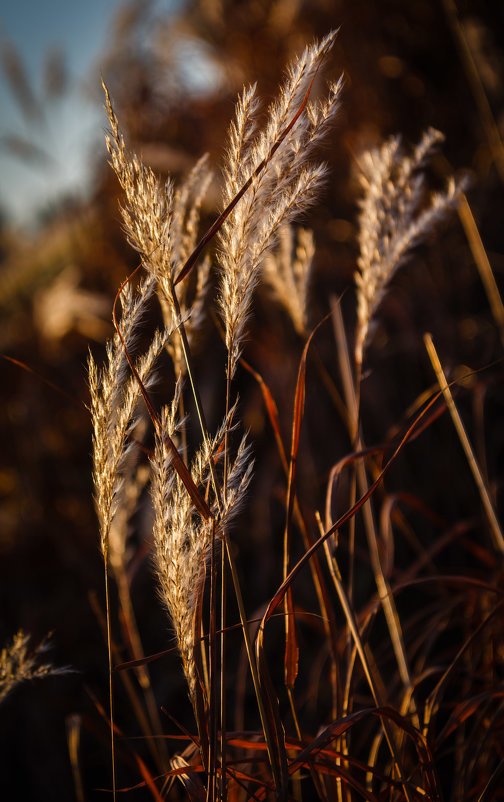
(74, 129)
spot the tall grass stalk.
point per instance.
(495, 527)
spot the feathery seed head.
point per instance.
(392, 220)
(286, 185)
(18, 665)
(182, 538)
(114, 397)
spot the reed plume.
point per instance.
(161, 223)
(114, 398)
(18, 665)
(182, 536)
(286, 186)
(395, 216)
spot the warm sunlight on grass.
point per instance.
(262, 527)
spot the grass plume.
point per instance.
(393, 220)
(18, 664)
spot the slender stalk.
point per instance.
(326, 610)
(212, 648)
(223, 677)
(495, 527)
(224, 600)
(482, 263)
(351, 392)
(183, 432)
(296, 778)
(109, 651)
(126, 680)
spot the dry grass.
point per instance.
(298, 517)
(18, 664)
(197, 491)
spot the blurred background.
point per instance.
(173, 69)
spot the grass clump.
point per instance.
(197, 490)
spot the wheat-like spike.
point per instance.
(182, 538)
(298, 195)
(237, 481)
(161, 223)
(133, 307)
(148, 206)
(309, 129)
(106, 391)
(180, 541)
(237, 285)
(285, 186)
(18, 665)
(298, 75)
(241, 133)
(287, 271)
(113, 402)
(391, 222)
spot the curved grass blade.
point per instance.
(291, 657)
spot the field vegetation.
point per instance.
(253, 441)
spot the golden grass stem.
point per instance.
(125, 678)
(326, 610)
(482, 263)
(183, 431)
(223, 677)
(384, 590)
(495, 528)
(224, 600)
(351, 386)
(296, 780)
(110, 668)
(212, 648)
